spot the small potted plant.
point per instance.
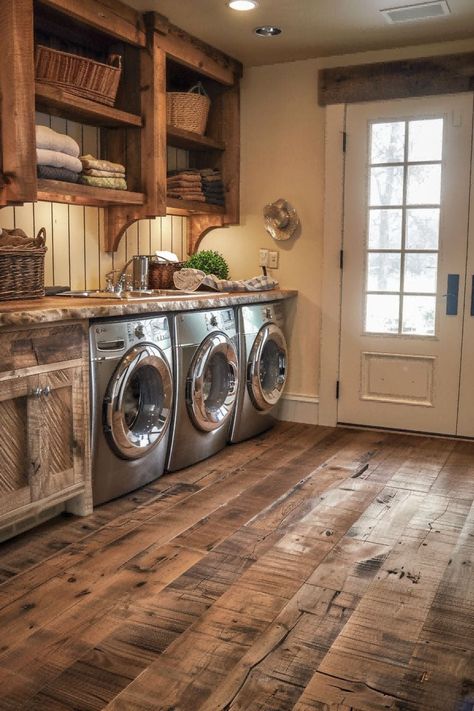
(209, 262)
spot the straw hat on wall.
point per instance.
(281, 220)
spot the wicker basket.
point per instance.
(22, 270)
(188, 109)
(160, 274)
(79, 75)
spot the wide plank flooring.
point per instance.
(310, 568)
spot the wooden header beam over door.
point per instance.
(448, 74)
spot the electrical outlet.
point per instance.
(273, 260)
(263, 258)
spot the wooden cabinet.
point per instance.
(44, 448)
(156, 55)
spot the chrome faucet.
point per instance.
(118, 285)
(140, 276)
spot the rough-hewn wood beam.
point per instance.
(446, 74)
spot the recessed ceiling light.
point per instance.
(242, 5)
(268, 31)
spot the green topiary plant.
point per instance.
(209, 262)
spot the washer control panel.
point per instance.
(111, 339)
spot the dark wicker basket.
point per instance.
(160, 274)
(22, 271)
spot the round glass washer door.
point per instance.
(138, 401)
(211, 387)
(267, 367)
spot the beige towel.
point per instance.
(58, 160)
(54, 141)
(113, 183)
(104, 173)
(91, 163)
(196, 197)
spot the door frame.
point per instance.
(331, 292)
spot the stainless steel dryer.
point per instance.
(132, 396)
(263, 357)
(206, 367)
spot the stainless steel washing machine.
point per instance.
(131, 401)
(207, 376)
(263, 356)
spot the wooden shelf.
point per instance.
(58, 101)
(59, 191)
(174, 206)
(191, 141)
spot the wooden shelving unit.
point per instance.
(77, 194)
(155, 53)
(57, 101)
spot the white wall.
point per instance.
(283, 156)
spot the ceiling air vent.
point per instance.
(413, 13)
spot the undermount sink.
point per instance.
(132, 295)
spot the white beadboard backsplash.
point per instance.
(75, 234)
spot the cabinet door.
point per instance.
(14, 450)
(57, 432)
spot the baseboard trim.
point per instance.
(299, 408)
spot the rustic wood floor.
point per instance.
(309, 569)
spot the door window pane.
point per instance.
(425, 140)
(381, 314)
(419, 315)
(422, 229)
(421, 270)
(388, 142)
(386, 186)
(383, 271)
(385, 229)
(424, 184)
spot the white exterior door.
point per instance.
(406, 211)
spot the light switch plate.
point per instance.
(263, 258)
(273, 258)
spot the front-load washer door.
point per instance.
(267, 367)
(137, 404)
(211, 386)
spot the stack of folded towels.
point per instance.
(212, 186)
(57, 156)
(203, 185)
(185, 185)
(102, 173)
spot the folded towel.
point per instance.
(215, 201)
(104, 173)
(187, 196)
(91, 163)
(183, 191)
(208, 179)
(165, 256)
(54, 141)
(185, 173)
(184, 183)
(216, 189)
(113, 183)
(188, 279)
(51, 173)
(58, 160)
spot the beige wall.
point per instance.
(283, 156)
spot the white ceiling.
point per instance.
(311, 28)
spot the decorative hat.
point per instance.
(281, 220)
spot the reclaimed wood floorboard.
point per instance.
(308, 569)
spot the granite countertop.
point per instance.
(26, 312)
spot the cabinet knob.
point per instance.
(47, 390)
(36, 392)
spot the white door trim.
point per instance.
(332, 245)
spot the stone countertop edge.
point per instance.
(63, 308)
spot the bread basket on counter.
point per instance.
(160, 273)
(21, 265)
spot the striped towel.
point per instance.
(191, 279)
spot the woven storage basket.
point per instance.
(22, 270)
(160, 274)
(188, 109)
(79, 75)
